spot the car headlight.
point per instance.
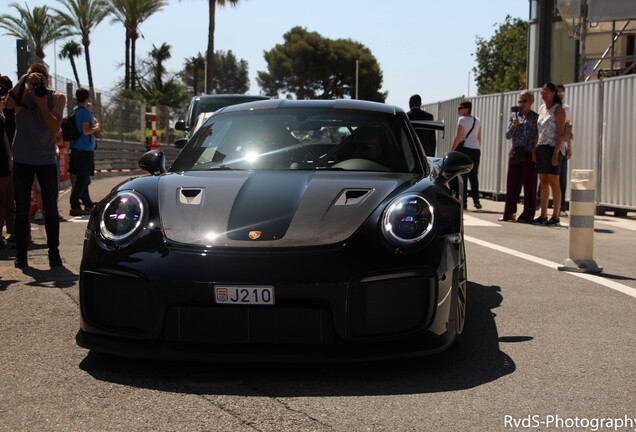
(122, 217)
(407, 220)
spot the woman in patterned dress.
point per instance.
(547, 152)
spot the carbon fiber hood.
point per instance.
(270, 208)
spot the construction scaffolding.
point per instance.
(606, 30)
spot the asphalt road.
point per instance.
(545, 350)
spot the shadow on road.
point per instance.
(477, 360)
(615, 277)
(57, 277)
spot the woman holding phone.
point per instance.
(522, 130)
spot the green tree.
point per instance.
(37, 27)
(311, 66)
(231, 74)
(192, 72)
(341, 76)
(501, 60)
(81, 17)
(159, 89)
(172, 95)
(160, 55)
(131, 13)
(70, 50)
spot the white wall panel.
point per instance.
(488, 109)
(604, 127)
(617, 178)
(584, 100)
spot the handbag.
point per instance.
(567, 131)
(460, 146)
(517, 155)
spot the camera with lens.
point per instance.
(516, 109)
(39, 89)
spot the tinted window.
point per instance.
(213, 104)
(301, 138)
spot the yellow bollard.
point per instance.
(582, 210)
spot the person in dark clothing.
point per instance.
(427, 137)
(6, 163)
(9, 116)
(39, 112)
(522, 130)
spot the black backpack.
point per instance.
(70, 132)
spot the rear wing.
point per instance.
(429, 125)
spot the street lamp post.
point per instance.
(357, 68)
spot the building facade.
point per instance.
(580, 40)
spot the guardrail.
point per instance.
(115, 155)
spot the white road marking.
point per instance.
(473, 221)
(83, 219)
(590, 277)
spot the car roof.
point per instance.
(231, 95)
(314, 103)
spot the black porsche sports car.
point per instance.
(297, 230)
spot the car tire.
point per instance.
(460, 285)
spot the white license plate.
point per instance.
(244, 294)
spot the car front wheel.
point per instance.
(461, 282)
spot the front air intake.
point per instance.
(390, 307)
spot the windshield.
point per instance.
(214, 104)
(301, 138)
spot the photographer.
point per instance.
(39, 112)
(522, 129)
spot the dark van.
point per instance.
(209, 104)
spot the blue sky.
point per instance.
(422, 46)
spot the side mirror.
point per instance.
(180, 143)
(454, 163)
(180, 125)
(154, 162)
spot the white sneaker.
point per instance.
(38, 215)
(563, 213)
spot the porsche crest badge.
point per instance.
(254, 235)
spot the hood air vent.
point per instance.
(190, 196)
(352, 196)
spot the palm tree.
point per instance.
(131, 13)
(82, 17)
(209, 83)
(160, 55)
(70, 50)
(37, 27)
(193, 66)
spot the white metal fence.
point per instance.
(604, 126)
